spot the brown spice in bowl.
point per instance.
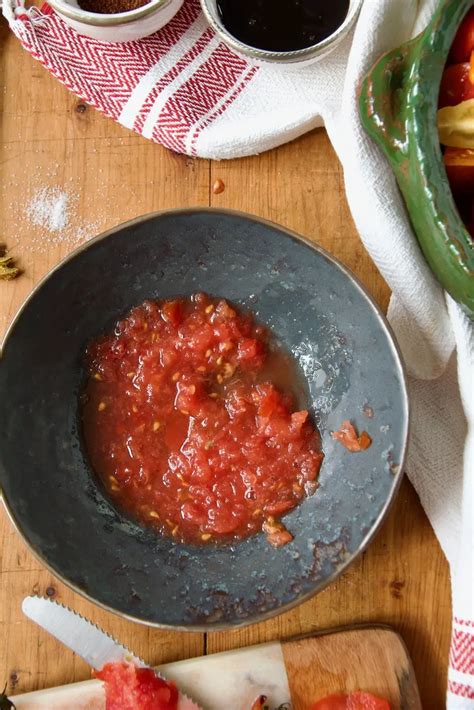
(109, 7)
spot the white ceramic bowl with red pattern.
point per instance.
(120, 26)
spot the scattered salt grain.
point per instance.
(49, 208)
(55, 212)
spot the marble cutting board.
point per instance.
(297, 672)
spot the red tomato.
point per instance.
(463, 43)
(359, 700)
(459, 163)
(130, 688)
(456, 85)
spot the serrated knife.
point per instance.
(86, 639)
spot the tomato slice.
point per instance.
(359, 700)
(459, 163)
(463, 43)
(456, 85)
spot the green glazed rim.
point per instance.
(398, 105)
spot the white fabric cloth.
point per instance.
(432, 331)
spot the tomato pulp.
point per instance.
(130, 688)
(185, 425)
(354, 701)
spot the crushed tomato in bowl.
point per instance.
(189, 420)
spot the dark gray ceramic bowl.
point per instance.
(317, 309)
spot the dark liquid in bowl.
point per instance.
(282, 25)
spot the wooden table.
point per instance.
(50, 138)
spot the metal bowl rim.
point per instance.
(263, 616)
(288, 57)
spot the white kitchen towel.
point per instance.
(182, 87)
(436, 338)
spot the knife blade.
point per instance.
(86, 639)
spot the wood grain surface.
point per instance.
(50, 140)
(373, 659)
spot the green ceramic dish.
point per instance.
(398, 107)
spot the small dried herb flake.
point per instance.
(8, 271)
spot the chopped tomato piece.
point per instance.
(463, 43)
(358, 700)
(223, 310)
(459, 163)
(269, 401)
(130, 688)
(364, 441)
(279, 538)
(277, 534)
(347, 436)
(259, 702)
(172, 312)
(298, 419)
(456, 85)
(248, 349)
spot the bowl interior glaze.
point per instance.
(317, 310)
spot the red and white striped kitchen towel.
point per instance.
(182, 87)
